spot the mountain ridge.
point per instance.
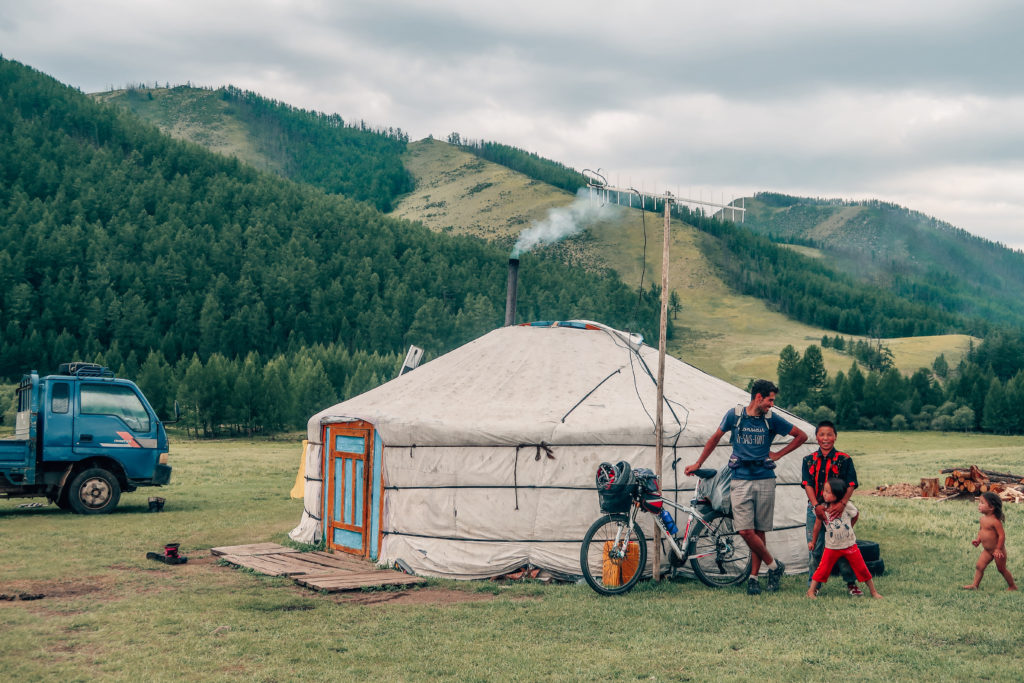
(471, 210)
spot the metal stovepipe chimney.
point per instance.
(510, 291)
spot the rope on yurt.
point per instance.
(527, 540)
(515, 475)
(587, 395)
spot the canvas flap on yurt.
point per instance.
(489, 451)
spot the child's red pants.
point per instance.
(831, 556)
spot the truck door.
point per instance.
(112, 420)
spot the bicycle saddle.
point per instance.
(705, 472)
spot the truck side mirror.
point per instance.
(177, 414)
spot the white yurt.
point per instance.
(482, 461)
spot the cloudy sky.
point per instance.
(919, 102)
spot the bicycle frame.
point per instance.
(693, 525)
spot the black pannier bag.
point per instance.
(650, 489)
(615, 486)
(716, 490)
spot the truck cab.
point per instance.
(82, 438)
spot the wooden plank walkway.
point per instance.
(330, 572)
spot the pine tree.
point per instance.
(792, 382)
(996, 417)
(814, 374)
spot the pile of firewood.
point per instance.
(975, 481)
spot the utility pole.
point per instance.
(597, 181)
(659, 420)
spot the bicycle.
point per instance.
(613, 556)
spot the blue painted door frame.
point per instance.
(349, 467)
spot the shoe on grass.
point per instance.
(753, 586)
(775, 575)
(855, 590)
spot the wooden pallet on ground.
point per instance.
(328, 572)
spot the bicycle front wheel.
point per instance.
(613, 555)
(720, 556)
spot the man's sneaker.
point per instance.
(855, 590)
(753, 586)
(775, 575)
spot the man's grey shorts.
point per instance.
(753, 504)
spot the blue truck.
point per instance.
(82, 438)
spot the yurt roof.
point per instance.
(562, 383)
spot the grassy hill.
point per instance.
(195, 115)
(461, 193)
(904, 250)
(728, 335)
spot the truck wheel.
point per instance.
(94, 491)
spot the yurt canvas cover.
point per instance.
(482, 461)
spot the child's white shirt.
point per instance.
(839, 530)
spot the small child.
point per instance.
(840, 541)
(992, 539)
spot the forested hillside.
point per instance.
(255, 300)
(903, 251)
(813, 292)
(323, 150)
(519, 160)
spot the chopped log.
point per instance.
(1012, 495)
(988, 473)
(982, 488)
(976, 475)
(930, 487)
(971, 486)
(950, 481)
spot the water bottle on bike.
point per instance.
(670, 524)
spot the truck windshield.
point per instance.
(112, 399)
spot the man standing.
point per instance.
(753, 473)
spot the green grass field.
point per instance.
(109, 613)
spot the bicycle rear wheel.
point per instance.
(720, 557)
(613, 555)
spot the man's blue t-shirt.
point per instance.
(752, 443)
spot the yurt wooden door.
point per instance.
(349, 462)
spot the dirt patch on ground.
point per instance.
(40, 591)
(897, 491)
(419, 596)
(100, 588)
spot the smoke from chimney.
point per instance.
(564, 221)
